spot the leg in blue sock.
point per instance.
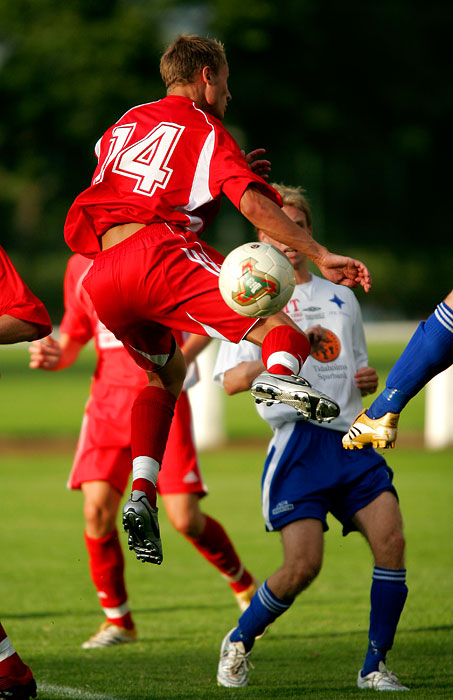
(381, 523)
(264, 608)
(303, 548)
(388, 595)
(429, 352)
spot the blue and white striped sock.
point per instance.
(429, 352)
(264, 608)
(388, 595)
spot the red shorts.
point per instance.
(103, 452)
(161, 278)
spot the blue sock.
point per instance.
(264, 608)
(429, 351)
(388, 595)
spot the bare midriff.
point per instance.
(119, 233)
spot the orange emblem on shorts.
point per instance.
(330, 348)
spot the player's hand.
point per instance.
(260, 167)
(316, 335)
(344, 270)
(366, 380)
(45, 354)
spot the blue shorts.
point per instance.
(308, 473)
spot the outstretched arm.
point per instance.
(51, 355)
(265, 215)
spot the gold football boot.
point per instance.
(372, 432)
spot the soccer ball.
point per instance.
(256, 280)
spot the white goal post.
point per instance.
(206, 400)
(439, 411)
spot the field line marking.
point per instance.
(62, 691)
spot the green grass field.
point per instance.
(183, 608)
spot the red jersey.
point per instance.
(80, 321)
(17, 300)
(163, 162)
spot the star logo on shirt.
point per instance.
(338, 301)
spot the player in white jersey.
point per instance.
(307, 473)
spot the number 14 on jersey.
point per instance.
(146, 161)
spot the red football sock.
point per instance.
(106, 564)
(151, 418)
(216, 547)
(285, 350)
(10, 662)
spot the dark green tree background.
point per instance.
(353, 100)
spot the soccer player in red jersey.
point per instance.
(162, 169)
(22, 317)
(102, 462)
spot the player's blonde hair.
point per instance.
(294, 197)
(189, 54)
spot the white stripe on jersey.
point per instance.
(279, 441)
(200, 193)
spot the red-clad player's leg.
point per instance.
(105, 556)
(106, 563)
(16, 679)
(285, 350)
(154, 406)
(152, 415)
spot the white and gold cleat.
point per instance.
(372, 432)
(109, 635)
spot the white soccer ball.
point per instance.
(256, 280)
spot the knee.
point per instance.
(398, 547)
(99, 521)
(186, 524)
(392, 551)
(300, 574)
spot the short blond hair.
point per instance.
(294, 197)
(189, 54)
